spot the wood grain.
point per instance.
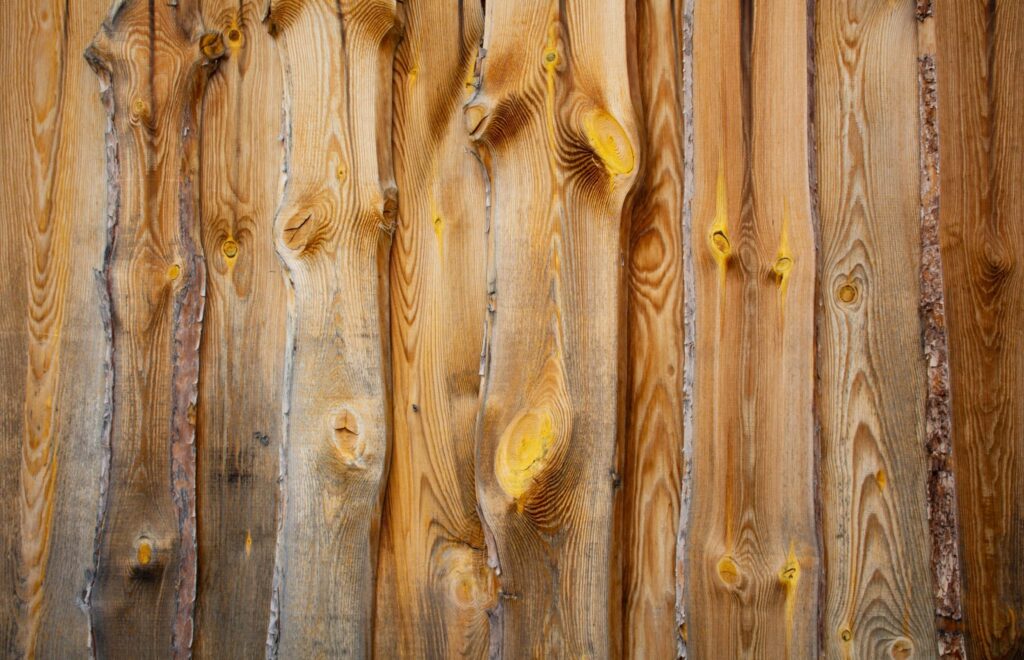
(51, 340)
(239, 421)
(334, 235)
(981, 111)
(754, 564)
(555, 125)
(434, 585)
(871, 372)
(153, 60)
(652, 449)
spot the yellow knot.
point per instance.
(229, 248)
(609, 141)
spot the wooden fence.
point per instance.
(424, 328)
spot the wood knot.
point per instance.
(524, 450)
(173, 272)
(728, 571)
(847, 293)
(348, 441)
(145, 559)
(211, 44)
(721, 247)
(846, 634)
(229, 248)
(139, 112)
(609, 141)
(901, 648)
(474, 115)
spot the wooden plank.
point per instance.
(52, 343)
(334, 235)
(981, 111)
(239, 422)
(754, 566)
(154, 60)
(434, 585)
(555, 125)
(652, 469)
(871, 369)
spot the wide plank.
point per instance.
(434, 586)
(872, 382)
(753, 557)
(239, 422)
(52, 341)
(555, 126)
(333, 230)
(981, 111)
(652, 448)
(153, 60)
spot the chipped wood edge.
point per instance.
(689, 330)
(103, 285)
(941, 498)
(274, 620)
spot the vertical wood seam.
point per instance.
(942, 496)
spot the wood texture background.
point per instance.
(547, 328)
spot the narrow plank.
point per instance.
(239, 420)
(981, 111)
(652, 450)
(51, 339)
(555, 126)
(872, 384)
(154, 60)
(334, 235)
(434, 585)
(754, 564)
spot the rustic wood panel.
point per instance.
(754, 566)
(52, 341)
(241, 375)
(652, 463)
(155, 58)
(555, 124)
(878, 600)
(434, 585)
(334, 236)
(981, 111)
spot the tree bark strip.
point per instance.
(51, 340)
(754, 566)
(555, 125)
(434, 585)
(242, 362)
(872, 382)
(155, 58)
(334, 235)
(653, 445)
(981, 111)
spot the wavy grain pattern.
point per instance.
(434, 585)
(333, 232)
(555, 125)
(652, 463)
(50, 336)
(872, 373)
(754, 568)
(242, 362)
(981, 111)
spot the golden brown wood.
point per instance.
(871, 371)
(334, 235)
(52, 343)
(242, 357)
(981, 112)
(434, 585)
(153, 59)
(652, 467)
(753, 556)
(555, 125)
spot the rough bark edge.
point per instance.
(280, 549)
(689, 329)
(941, 498)
(813, 203)
(103, 285)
